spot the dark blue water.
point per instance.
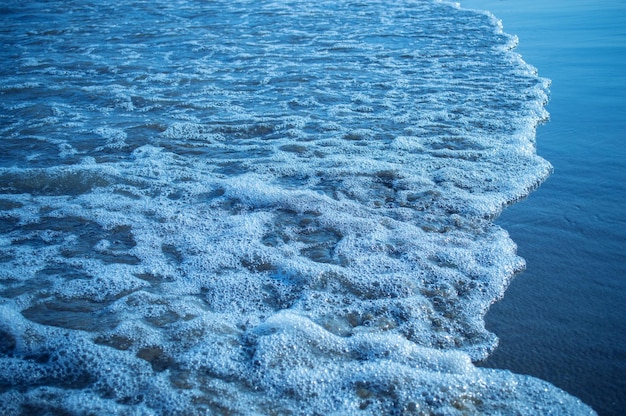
(564, 318)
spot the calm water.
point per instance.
(258, 207)
(564, 319)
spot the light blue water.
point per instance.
(572, 230)
(260, 208)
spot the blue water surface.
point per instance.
(258, 207)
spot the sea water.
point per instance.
(239, 207)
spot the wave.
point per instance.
(261, 208)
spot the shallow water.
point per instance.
(571, 230)
(255, 208)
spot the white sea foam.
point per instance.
(261, 208)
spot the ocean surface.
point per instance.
(259, 207)
(564, 318)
